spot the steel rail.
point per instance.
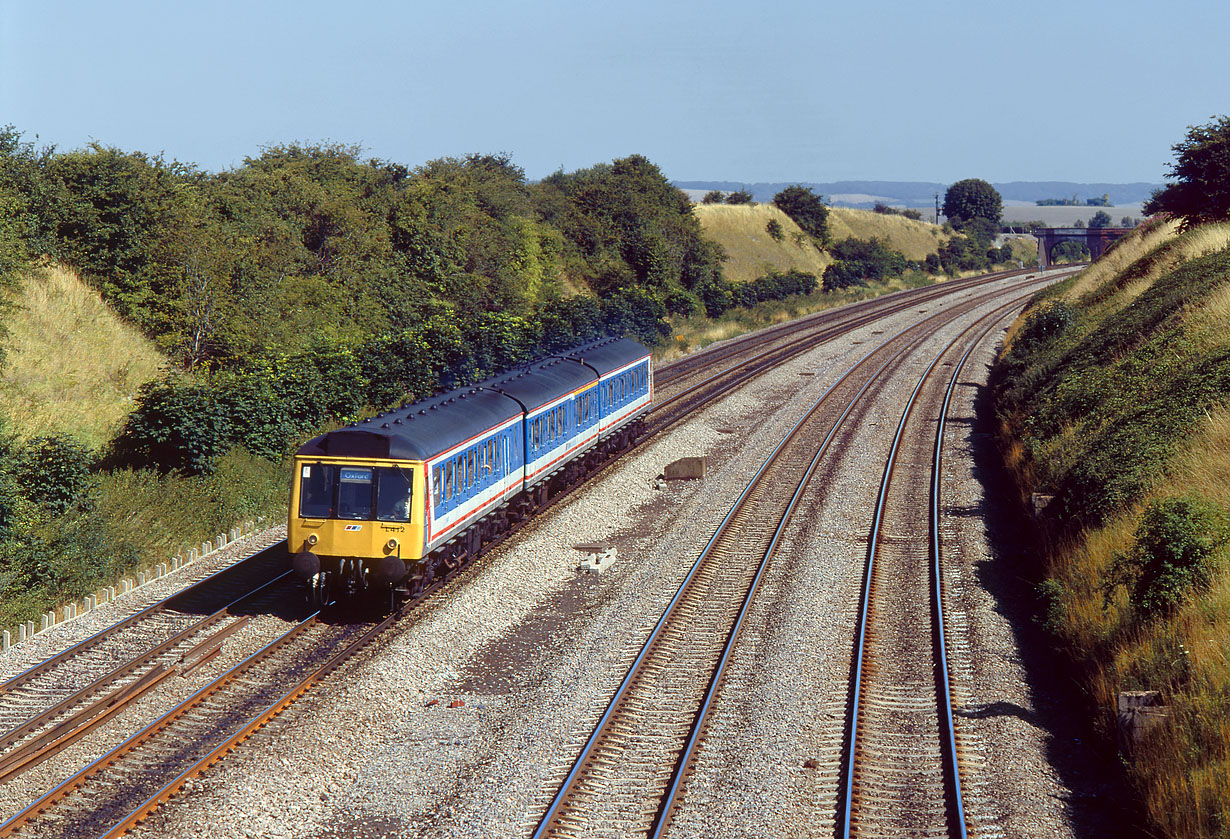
(845, 320)
(13, 734)
(9, 827)
(744, 372)
(992, 319)
(936, 562)
(665, 812)
(285, 700)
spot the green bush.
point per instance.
(53, 471)
(1176, 550)
(806, 210)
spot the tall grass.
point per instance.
(70, 364)
(741, 231)
(1144, 369)
(913, 238)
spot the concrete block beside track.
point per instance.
(686, 468)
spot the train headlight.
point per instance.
(312, 539)
(390, 545)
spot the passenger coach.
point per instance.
(392, 500)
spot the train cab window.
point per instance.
(354, 493)
(394, 488)
(316, 484)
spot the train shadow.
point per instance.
(1098, 802)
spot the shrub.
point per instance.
(1176, 548)
(1044, 324)
(53, 471)
(716, 297)
(841, 275)
(774, 229)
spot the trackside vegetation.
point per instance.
(1113, 395)
(304, 289)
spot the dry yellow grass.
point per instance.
(740, 230)
(1182, 247)
(1182, 771)
(915, 239)
(70, 364)
(1129, 249)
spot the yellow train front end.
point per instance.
(355, 523)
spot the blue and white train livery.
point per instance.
(393, 499)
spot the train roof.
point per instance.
(608, 354)
(543, 382)
(418, 431)
(426, 428)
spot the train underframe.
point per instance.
(349, 579)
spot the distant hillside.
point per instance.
(915, 239)
(922, 193)
(70, 364)
(740, 230)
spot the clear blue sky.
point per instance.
(715, 90)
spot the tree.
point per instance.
(1101, 219)
(970, 199)
(740, 196)
(1201, 192)
(805, 208)
(713, 196)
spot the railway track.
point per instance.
(117, 791)
(51, 705)
(741, 349)
(189, 644)
(631, 772)
(902, 768)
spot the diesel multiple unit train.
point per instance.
(387, 503)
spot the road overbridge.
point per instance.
(1097, 239)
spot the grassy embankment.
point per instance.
(740, 230)
(1114, 393)
(71, 367)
